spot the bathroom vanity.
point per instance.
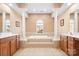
(70, 44)
(9, 44)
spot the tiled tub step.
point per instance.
(39, 40)
(39, 44)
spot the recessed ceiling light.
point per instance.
(34, 10)
(69, 4)
(10, 4)
(44, 10)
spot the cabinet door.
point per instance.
(65, 44)
(62, 42)
(71, 46)
(18, 42)
(70, 42)
(13, 46)
(5, 48)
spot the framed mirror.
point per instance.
(62, 22)
(72, 22)
(1, 23)
(7, 22)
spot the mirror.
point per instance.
(39, 26)
(72, 23)
(78, 21)
(1, 23)
(7, 22)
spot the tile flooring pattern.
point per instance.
(40, 52)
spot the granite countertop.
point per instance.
(6, 35)
(72, 35)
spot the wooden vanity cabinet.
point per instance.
(73, 46)
(9, 45)
(70, 45)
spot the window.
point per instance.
(39, 26)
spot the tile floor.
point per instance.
(40, 52)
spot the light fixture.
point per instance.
(44, 10)
(10, 4)
(69, 4)
(34, 10)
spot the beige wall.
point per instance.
(13, 17)
(47, 19)
(66, 17)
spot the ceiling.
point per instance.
(21, 5)
(39, 5)
(57, 5)
(36, 7)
